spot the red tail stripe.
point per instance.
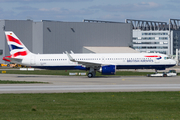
(153, 56)
(24, 53)
(12, 39)
(4, 58)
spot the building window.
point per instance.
(163, 38)
(154, 33)
(148, 38)
(1, 52)
(146, 43)
(150, 47)
(135, 38)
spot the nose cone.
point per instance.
(173, 62)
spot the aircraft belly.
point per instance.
(162, 66)
(65, 67)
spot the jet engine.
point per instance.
(108, 70)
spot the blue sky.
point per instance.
(77, 10)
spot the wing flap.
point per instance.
(89, 64)
(86, 63)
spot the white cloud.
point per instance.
(60, 14)
(85, 9)
(136, 7)
(36, 1)
(68, 11)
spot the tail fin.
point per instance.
(16, 47)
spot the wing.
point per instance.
(85, 63)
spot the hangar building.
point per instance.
(57, 37)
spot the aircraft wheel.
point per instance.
(148, 75)
(90, 75)
(165, 75)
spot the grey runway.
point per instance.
(63, 84)
(87, 88)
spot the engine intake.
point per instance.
(108, 70)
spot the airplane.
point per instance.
(106, 63)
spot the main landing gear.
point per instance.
(92, 73)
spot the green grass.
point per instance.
(64, 72)
(19, 82)
(39, 72)
(91, 106)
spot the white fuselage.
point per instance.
(121, 60)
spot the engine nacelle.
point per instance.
(108, 70)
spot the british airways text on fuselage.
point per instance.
(140, 61)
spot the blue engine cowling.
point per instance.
(108, 70)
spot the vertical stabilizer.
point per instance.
(16, 47)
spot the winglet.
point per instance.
(72, 52)
(70, 57)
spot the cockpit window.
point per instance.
(166, 58)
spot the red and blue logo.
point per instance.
(158, 57)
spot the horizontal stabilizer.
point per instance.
(10, 59)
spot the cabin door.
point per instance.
(33, 60)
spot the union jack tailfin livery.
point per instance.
(16, 47)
